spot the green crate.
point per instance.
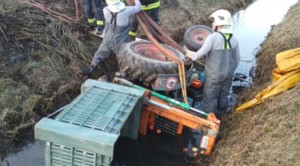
(59, 155)
(85, 131)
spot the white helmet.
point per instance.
(111, 2)
(222, 18)
(115, 5)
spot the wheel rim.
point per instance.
(199, 35)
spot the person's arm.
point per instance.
(206, 47)
(136, 8)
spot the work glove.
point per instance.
(190, 54)
(86, 71)
(187, 61)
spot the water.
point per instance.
(250, 28)
(252, 25)
(30, 155)
(152, 149)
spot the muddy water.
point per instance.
(251, 27)
(29, 155)
(152, 149)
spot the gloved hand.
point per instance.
(189, 54)
(86, 71)
(187, 61)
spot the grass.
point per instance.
(4, 83)
(192, 12)
(48, 77)
(12, 94)
(8, 6)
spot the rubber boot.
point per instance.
(99, 30)
(131, 38)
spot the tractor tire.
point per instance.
(143, 61)
(195, 36)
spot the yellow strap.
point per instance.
(183, 88)
(91, 20)
(151, 6)
(227, 37)
(100, 22)
(132, 33)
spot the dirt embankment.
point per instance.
(268, 134)
(39, 65)
(40, 56)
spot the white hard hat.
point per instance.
(115, 5)
(111, 2)
(222, 17)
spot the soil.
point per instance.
(41, 58)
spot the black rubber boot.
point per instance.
(99, 30)
(131, 38)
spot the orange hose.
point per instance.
(157, 28)
(166, 52)
(181, 69)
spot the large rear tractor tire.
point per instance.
(142, 60)
(195, 36)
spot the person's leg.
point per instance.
(211, 91)
(100, 55)
(133, 28)
(223, 96)
(154, 14)
(98, 6)
(88, 11)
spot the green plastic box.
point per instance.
(85, 131)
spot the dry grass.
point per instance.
(12, 94)
(265, 135)
(41, 58)
(178, 15)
